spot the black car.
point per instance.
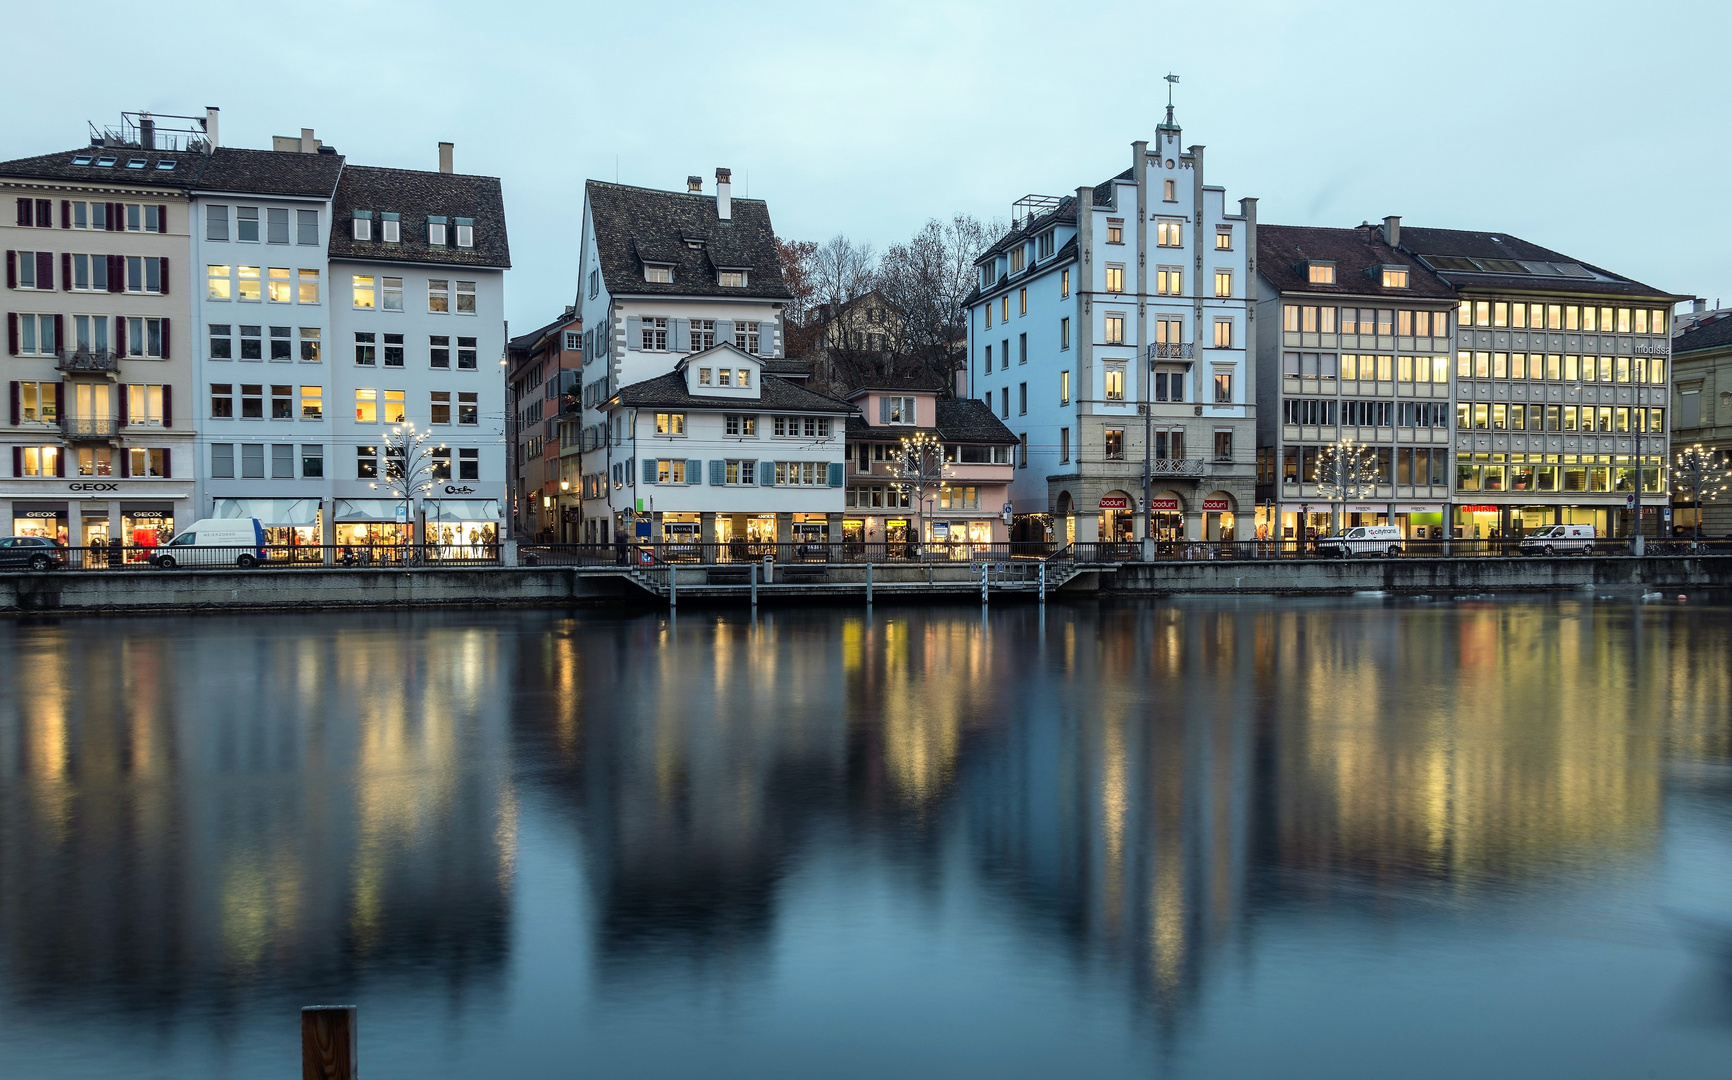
(35, 552)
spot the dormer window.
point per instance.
(465, 232)
(436, 231)
(732, 279)
(390, 228)
(363, 224)
(1320, 273)
(165, 164)
(135, 163)
(1043, 246)
(896, 410)
(81, 159)
(1395, 277)
(105, 161)
(658, 274)
(1017, 255)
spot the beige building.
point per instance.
(1702, 409)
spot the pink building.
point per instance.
(980, 456)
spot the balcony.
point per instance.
(87, 362)
(82, 428)
(1171, 350)
(1178, 466)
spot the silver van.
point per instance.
(1560, 539)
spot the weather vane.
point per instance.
(1172, 81)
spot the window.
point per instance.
(282, 402)
(91, 333)
(252, 401)
(466, 354)
(1322, 273)
(247, 224)
(465, 298)
(1022, 301)
(731, 279)
(438, 350)
(1017, 255)
(366, 406)
(703, 334)
(390, 293)
(436, 231)
(1394, 277)
(1115, 277)
(1223, 238)
(745, 426)
(394, 407)
(252, 461)
(1115, 328)
(363, 225)
(312, 462)
(1223, 445)
(1223, 388)
(36, 335)
(366, 462)
(90, 273)
(1223, 282)
(307, 227)
(469, 464)
(1115, 230)
(1064, 388)
(310, 344)
(220, 341)
(38, 402)
(277, 225)
(1043, 246)
(746, 337)
(393, 350)
(740, 472)
(441, 463)
(216, 221)
(670, 471)
(1022, 348)
(1063, 292)
(670, 423)
(655, 335)
(362, 290)
(1170, 190)
(896, 410)
(1063, 444)
(1115, 444)
(309, 286)
(312, 402)
(468, 409)
(465, 232)
(366, 348)
(440, 406)
(1115, 381)
(658, 275)
(277, 284)
(222, 461)
(390, 228)
(1022, 399)
(438, 295)
(1170, 234)
(218, 285)
(1169, 281)
(1064, 333)
(1004, 402)
(1223, 333)
(41, 460)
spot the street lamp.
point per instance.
(1701, 472)
(1346, 472)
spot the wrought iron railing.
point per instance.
(99, 361)
(85, 427)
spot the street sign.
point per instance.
(1007, 512)
(1630, 501)
(402, 512)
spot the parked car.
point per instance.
(35, 552)
(1364, 540)
(215, 542)
(1559, 538)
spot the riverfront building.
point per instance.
(1109, 331)
(1355, 341)
(1702, 409)
(542, 415)
(719, 450)
(667, 275)
(965, 508)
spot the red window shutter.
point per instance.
(12, 333)
(60, 335)
(17, 412)
(125, 464)
(45, 213)
(162, 219)
(24, 213)
(125, 405)
(167, 466)
(17, 461)
(167, 404)
(165, 339)
(120, 336)
(60, 462)
(11, 269)
(59, 398)
(66, 213)
(163, 277)
(45, 269)
(66, 271)
(116, 273)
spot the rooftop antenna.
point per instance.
(1172, 81)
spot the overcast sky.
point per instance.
(1586, 127)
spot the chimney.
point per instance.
(1699, 304)
(1392, 231)
(146, 131)
(309, 145)
(695, 184)
(445, 163)
(210, 127)
(724, 194)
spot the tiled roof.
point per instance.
(634, 225)
(1469, 259)
(1709, 335)
(58, 166)
(960, 420)
(774, 392)
(270, 172)
(1358, 254)
(415, 195)
(256, 172)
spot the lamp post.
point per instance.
(1702, 472)
(410, 468)
(1346, 471)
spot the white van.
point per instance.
(1364, 540)
(1559, 538)
(215, 542)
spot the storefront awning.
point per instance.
(351, 510)
(461, 509)
(271, 511)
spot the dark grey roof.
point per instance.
(1715, 334)
(270, 172)
(774, 392)
(788, 368)
(1472, 259)
(1283, 252)
(960, 420)
(634, 225)
(415, 195)
(58, 166)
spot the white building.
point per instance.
(721, 451)
(665, 274)
(1109, 330)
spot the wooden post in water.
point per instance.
(754, 569)
(868, 584)
(328, 1042)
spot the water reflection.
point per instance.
(222, 815)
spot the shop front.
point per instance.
(1420, 521)
(45, 519)
(372, 530)
(959, 539)
(1167, 515)
(1118, 518)
(461, 528)
(288, 523)
(1304, 522)
(1219, 516)
(145, 526)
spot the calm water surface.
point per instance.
(1253, 839)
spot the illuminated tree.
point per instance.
(410, 468)
(1701, 473)
(919, 470)
(1346, 472)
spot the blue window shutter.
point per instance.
(649, 470)
(633, 332)
(718, 473)
(883, 410)
(766, 339)
(766, 474)
(724, 331)
(680, 335)
(694, 471)
(835, 474)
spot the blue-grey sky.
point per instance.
(1589, 127)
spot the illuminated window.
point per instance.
(1170, 234)
(1394, 277)
(1223, 282)
(1115, 230)
(1115, 278)
(1115, 329)
(361, 289)
(1322, 273)
(1223, 238)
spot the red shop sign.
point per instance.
(1214, 506)
(1479, 509)
(1115, 502)
(1164, 506)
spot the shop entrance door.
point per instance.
(896, 539)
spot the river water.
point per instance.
(1344, 838)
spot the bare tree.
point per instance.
(1700, 473)
(842, 270)
(411, 469)
(927, 279)
(920, 469)
(1346, 472)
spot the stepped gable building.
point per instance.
(665, 275)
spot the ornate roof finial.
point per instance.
(1172, 81)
